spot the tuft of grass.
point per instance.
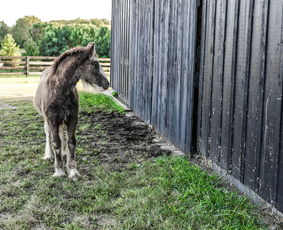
(92, 102)
(115, 94)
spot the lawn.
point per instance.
(128, 181)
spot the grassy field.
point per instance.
(164, 192)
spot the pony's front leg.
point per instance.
(56, 144)
(71, 159)
(48, 150)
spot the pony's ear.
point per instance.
(91, 47)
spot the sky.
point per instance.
(11, 10)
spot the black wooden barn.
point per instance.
(208, 75)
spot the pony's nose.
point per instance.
(106, 86)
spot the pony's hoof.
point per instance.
(59, 172)
(74, 174)
(47, 157)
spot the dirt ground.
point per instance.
(18, 87)
(128, 139)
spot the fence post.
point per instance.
(27, 65)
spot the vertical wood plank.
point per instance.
(279, 189)
(162, 123)
(256, 89)
(228, 82)
(171, 68)
(27, 65)
(177, 126)
(113, 34)
(272, 105)
(241, 87)
(208, 75)
(156, 66)
(189, 77)
(217, 84)
(200, 146)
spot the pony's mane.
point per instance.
(66, 54)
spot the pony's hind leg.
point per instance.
(62, 130)
(71, 161)
(56, 144)
(48, 149)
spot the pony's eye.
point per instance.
(96, 64)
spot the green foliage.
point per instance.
(55, 37)
(58, 39)
(96, 22)
(33, 45)
(4, 30)
(103, 41)
(31, 48)
(9, 47)
(21, 30)
(81, 35)
(36, 34)
(115, 94)
(90, 102)
(100, 22)
(55, 40)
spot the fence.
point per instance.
(31, 65)
(153, 62)
(239, 96)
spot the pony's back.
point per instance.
(41, 92)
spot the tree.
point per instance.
(58, 38)
(9, 47)
(21, 30)
(31, 48)
(4, 30)
(103, 40)
(100, 22)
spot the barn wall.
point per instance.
(240, 109)
(153, 47)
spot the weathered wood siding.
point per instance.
(152, 63)
(240, 104)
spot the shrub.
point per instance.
(4, 30)
(9, 47)
(103, 41)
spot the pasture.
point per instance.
(128, 181)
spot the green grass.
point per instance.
(92, 102)
(166, 192)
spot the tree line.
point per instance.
(52, 38)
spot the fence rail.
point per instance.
(34, 65)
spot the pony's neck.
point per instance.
(68, 74)
(63, 87)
